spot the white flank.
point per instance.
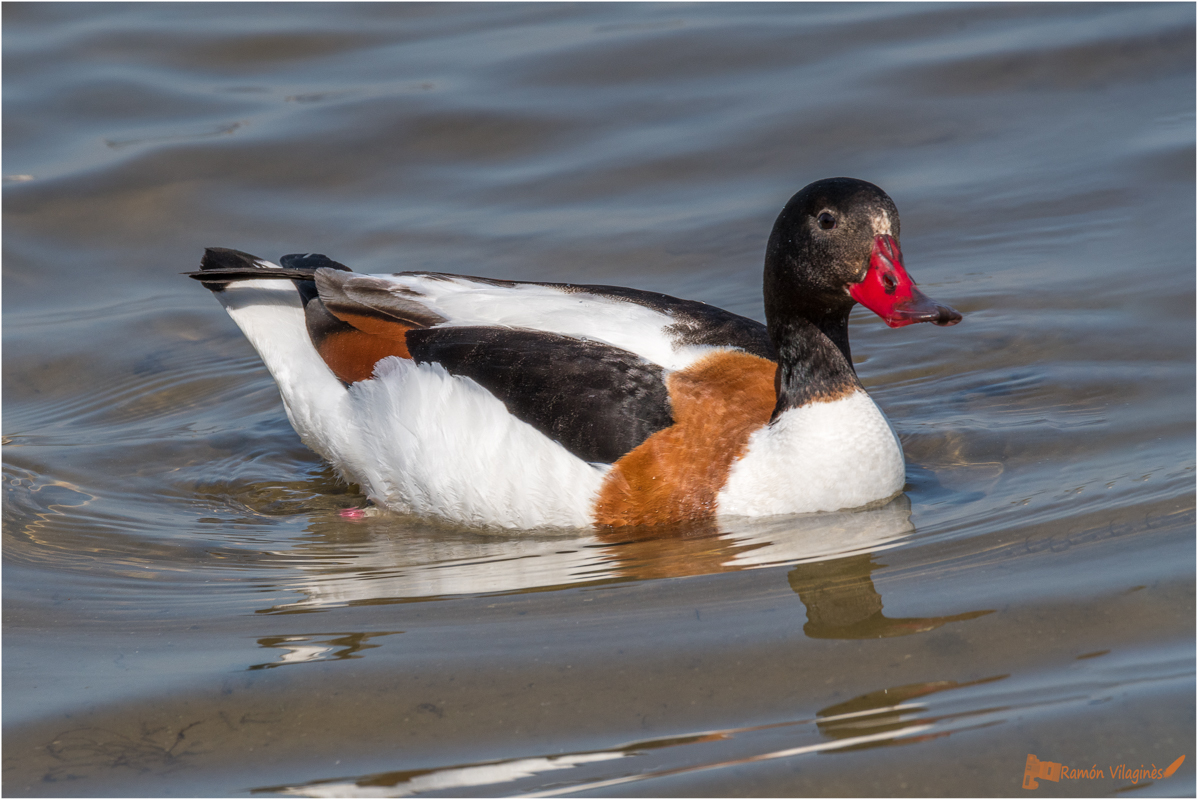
(414, 438)
(431, 443)
(821, 457)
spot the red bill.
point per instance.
(889, 292)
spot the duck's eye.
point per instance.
(826, 221)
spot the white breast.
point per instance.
(820, 457)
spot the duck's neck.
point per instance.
(814, 362)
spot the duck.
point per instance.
(526, 405)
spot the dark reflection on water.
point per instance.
(883, 711)
(168, 542)
(842, 602)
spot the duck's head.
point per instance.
(836, 243)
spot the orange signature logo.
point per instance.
(1035, 770)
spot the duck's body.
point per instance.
(536, 404)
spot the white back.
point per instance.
(627, 325)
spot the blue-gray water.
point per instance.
(186, 613)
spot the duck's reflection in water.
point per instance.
(306, 648)
(831, 559)
(842, 602)
(381, 559)
(895, 710)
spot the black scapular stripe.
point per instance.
(597, 400)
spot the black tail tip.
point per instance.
(220, 266)
(227, 258)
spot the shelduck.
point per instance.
(523, 405)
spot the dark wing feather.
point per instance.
(598, 401)
(366, 300)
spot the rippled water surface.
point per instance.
(187, 613)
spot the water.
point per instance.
(186, 613)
